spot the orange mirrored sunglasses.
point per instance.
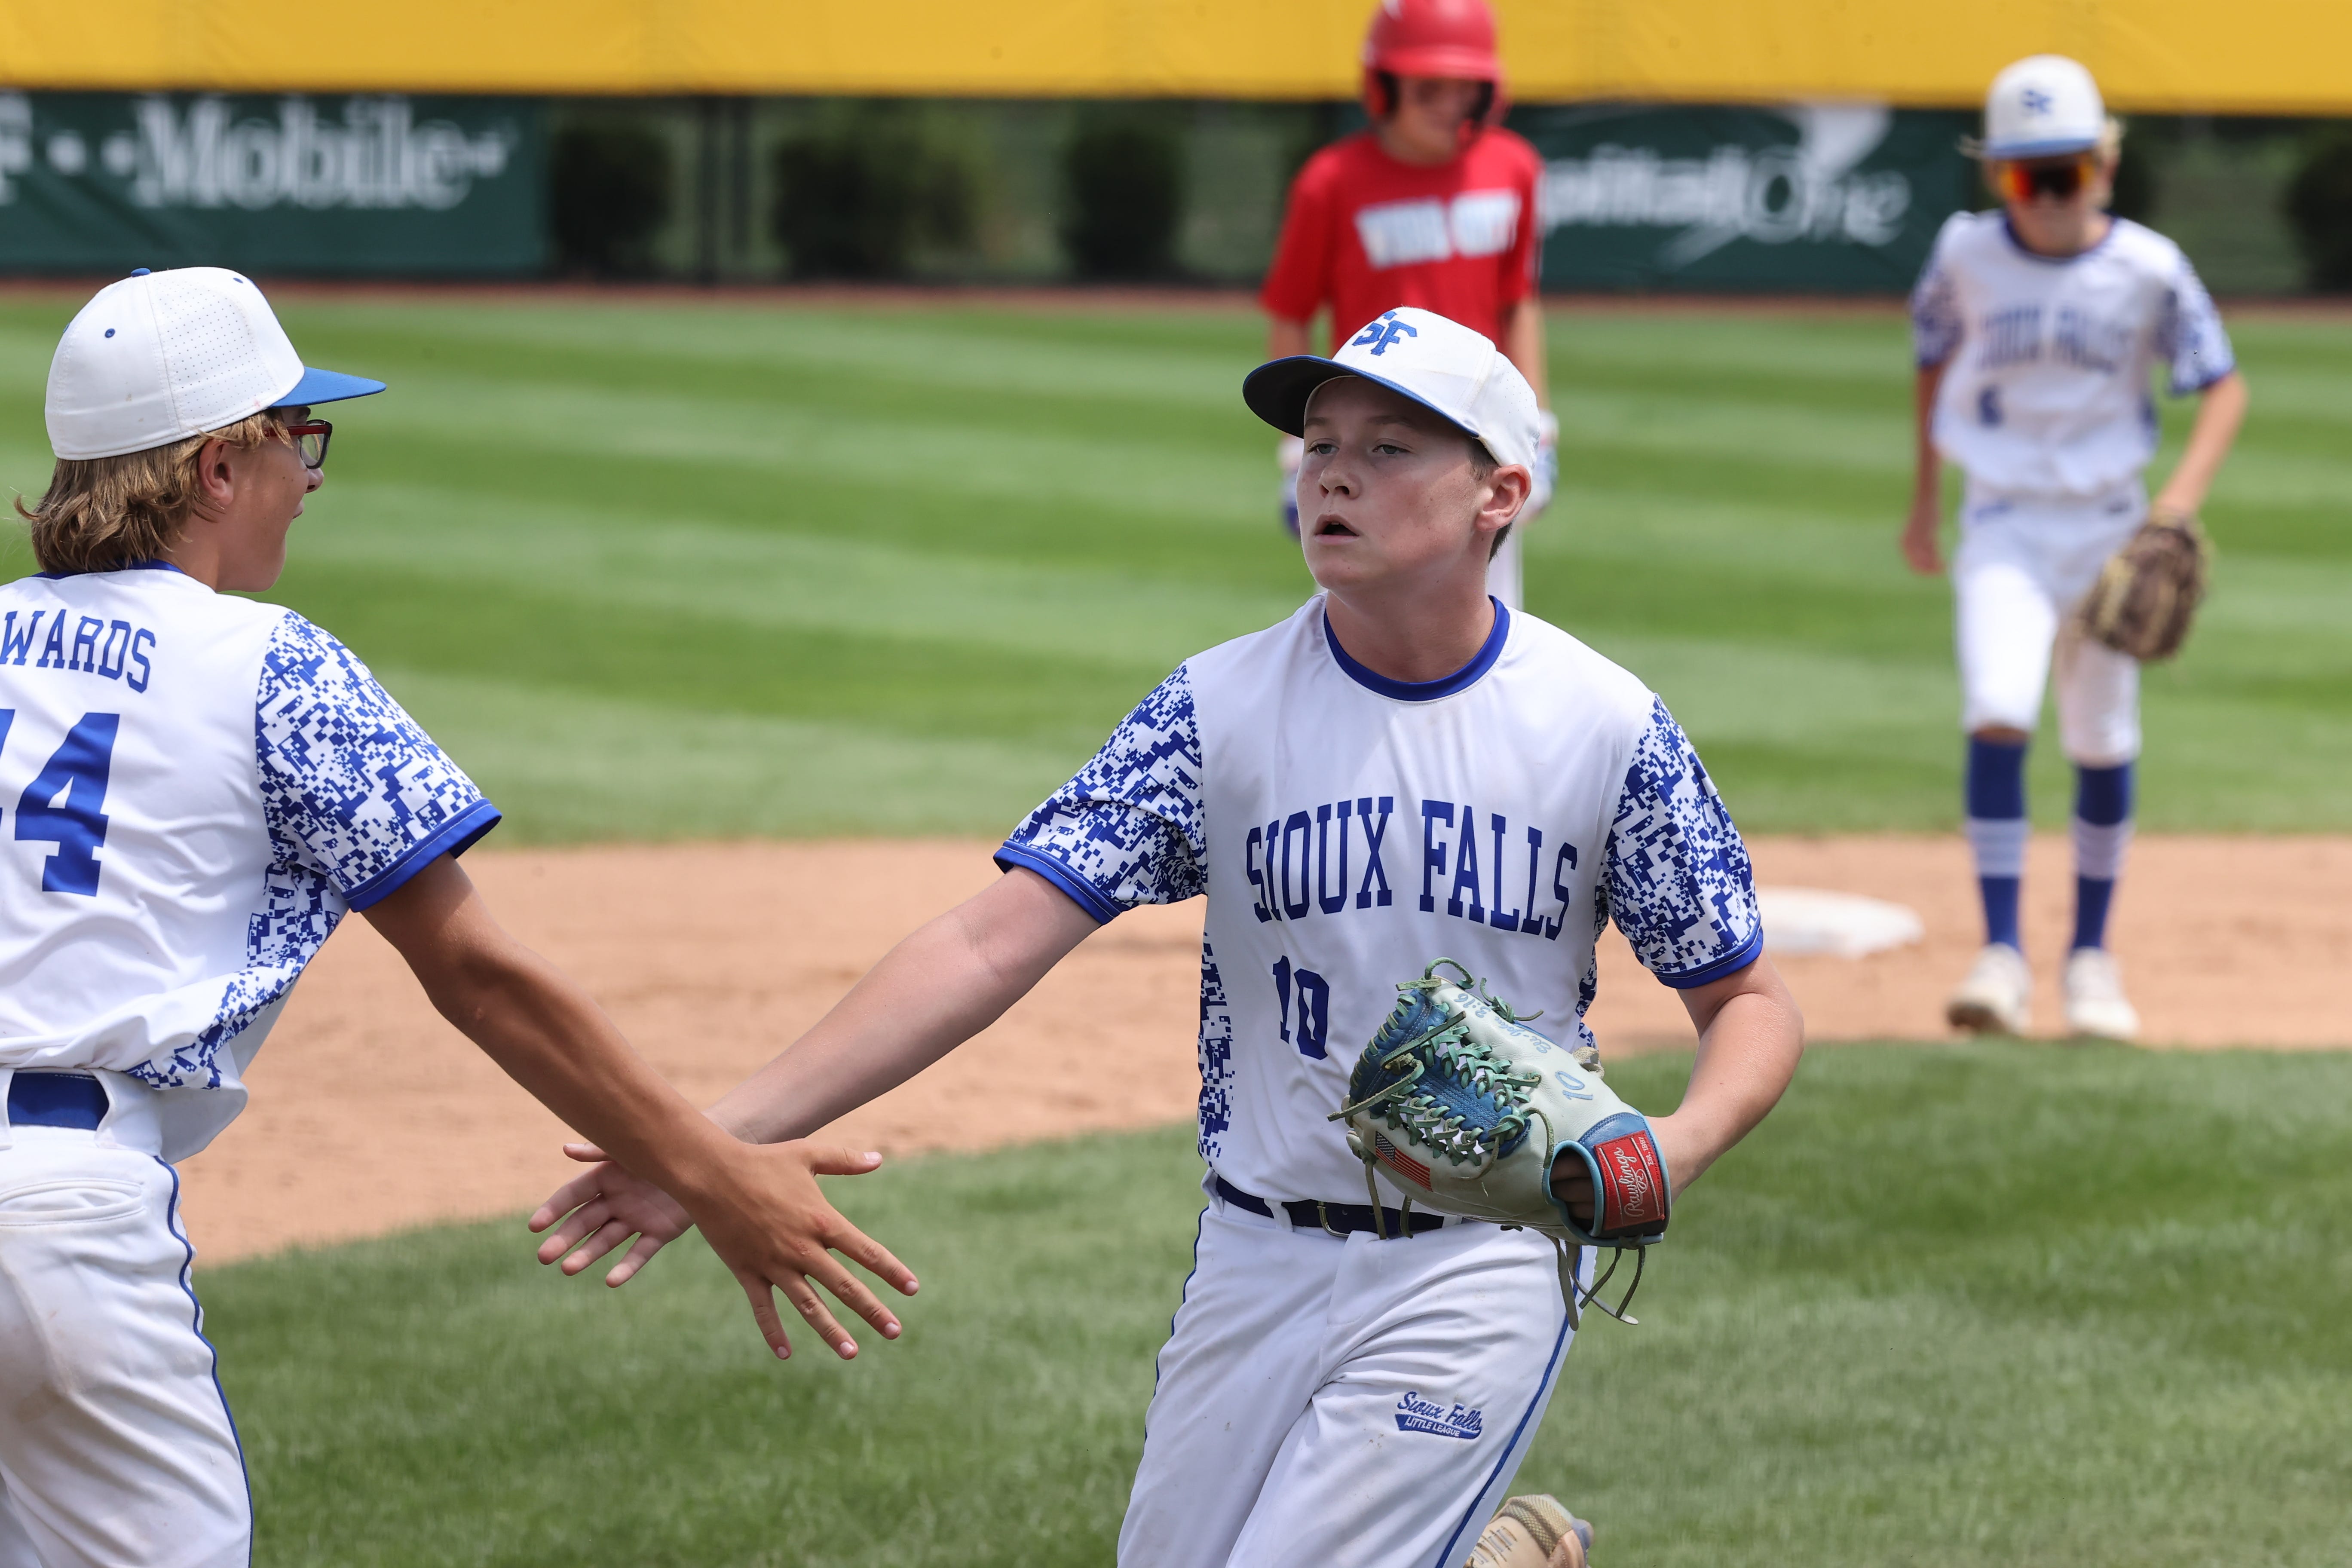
(2025, 181)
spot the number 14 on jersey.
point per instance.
(62, 804)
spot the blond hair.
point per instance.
(100, 514)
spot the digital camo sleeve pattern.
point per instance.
(1128, 829)
(356, 798)
(1679, 883)
(2189, 336)
(1936, 324)
(351, 786)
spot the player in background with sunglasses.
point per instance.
(2037, 329)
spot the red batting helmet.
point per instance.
(1449, 38)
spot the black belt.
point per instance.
(57, 1099)
(1339, 1219)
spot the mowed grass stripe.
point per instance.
(712, 664)
(954, 525)
(761, 577)
(665, 772)
(1947, 1307)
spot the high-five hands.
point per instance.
(772, 1229)
(606, 1205)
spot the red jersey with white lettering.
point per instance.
(1365, 233)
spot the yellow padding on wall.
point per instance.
(2251, 57)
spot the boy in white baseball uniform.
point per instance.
(1401, 770)
(197, 788)
(2037, 327)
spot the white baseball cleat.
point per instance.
(1532, 1531)
(2096, 1005)
(1997, 997)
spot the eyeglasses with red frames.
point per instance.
(310, 438)
(2022, 180)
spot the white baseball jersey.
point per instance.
(195, 788)
(2047, 360)
(1348, 829)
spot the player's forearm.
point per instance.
(1286, 339)
(1523, 345)
(2210, 440)
(546, 1033)
(1927, 471)
(930, 994)
(1752, 1037)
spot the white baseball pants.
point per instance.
(1349, 1402)
(116, 1447)
(2023, 565)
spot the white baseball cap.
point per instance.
(161, 357)
(2043, 106)
(1441, 365)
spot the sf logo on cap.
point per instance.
(2036, 102)
(1383, 332)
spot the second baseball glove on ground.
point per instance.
(2148, 591)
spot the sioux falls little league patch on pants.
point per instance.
(1356, 1403)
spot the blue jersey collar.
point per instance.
(2018, 243)
(1461, 679)
(126, 566)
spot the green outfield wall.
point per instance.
(1822, 197)
(384, 184)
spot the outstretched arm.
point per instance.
(937, 989)
(930, 994)
(2223, 410)
(760, 1208)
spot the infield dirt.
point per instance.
(370, 1114)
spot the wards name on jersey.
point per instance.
(117, 650)
(1333, 858)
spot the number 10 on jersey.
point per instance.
(61, 805)
(1314, 1012)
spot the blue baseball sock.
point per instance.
(2103, 831)
(1997, 831)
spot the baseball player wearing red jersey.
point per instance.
(200, 786)
(1434, 206)
(2037, 329)
(1401, 769)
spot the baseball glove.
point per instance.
(2149, 590)
(1469, 1110)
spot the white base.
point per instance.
(1800, 921)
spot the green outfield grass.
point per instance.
(659, 570)
(1918, 1317)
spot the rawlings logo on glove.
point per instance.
(1461, 1101)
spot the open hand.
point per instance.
(768, 1221)
(602, 1208)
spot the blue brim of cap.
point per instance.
(1278, 390)
(2005, 152)
(328, 386)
